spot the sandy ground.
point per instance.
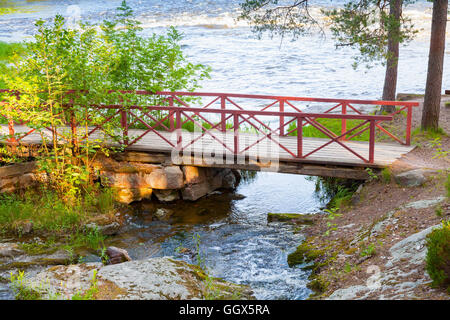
(381, 216)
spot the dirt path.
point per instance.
(374, 248)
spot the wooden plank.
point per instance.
(385, 153)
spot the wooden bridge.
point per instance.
(244, 131)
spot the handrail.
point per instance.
(177, 109)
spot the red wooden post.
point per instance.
(372, 141)
(299, 137)
(179, 135)
(344, 121)
(408, 126)
(124, 124)
(223, 125)
(12, 132)
(282, 118)
(171, 118)
(236, 132)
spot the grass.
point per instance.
(420, 135)
(333, 125)
(386, 175)
(49, 215)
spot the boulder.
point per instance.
(17, 169)
(296, 218)
(9, 250)
(194, 174)
(167, 178)
(229, 180)
(163, 214)
(117, 255)
(128, 195)
(109, 229)
(167, 195)
(196, 191)
(55, 258)
(23, 227)
(151, 279)
(412, 178)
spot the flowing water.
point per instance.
(235, 240)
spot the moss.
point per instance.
(213, 288)
(319, 285)
(303, 254)
(290, 217)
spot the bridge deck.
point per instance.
(332, 154)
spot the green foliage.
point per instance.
(277, 17)
(91, 292)
(332, 214)
(364, 24)
(20, 287)
(92, 239)
(372, 175)
(438, 255)
(440, 151)
(47, 211)
(425, 135)
(66, 71)
(386, 175)
(369, 251)
(368, 25)
(303, 254)
(155, 63)
(7, 52)
(336, 191)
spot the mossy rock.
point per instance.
(296, 218)
(304, 254)
(318, 285)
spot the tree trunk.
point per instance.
(390, 79)
(432, 102)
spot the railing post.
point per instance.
(179, 135)
(372, 141)
(73, 126)
(299, 137)
(344, 121)
(12, 132)
(124, 124)
(12, 140)
(171, 118)
(408, 125)
(223, 125)
(236, 132)
(281, 118)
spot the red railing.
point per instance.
(226, 109)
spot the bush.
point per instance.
(438, 255)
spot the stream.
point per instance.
(235, 241)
